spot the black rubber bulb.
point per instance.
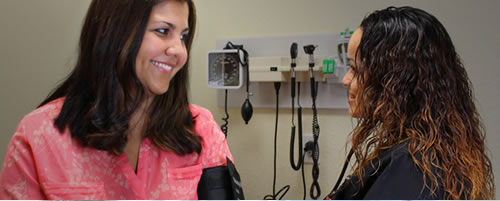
(246, 111)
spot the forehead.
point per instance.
(354, 42)
(171, 9)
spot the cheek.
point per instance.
(183, 57)
(149, 53)
(354, 85)
(149, 48)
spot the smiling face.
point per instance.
(163, 50)
(350, 80)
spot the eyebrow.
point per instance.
(174, 27)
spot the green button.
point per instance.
(331, 65)
(325, 66)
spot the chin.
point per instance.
(159, 91)
(353, 113)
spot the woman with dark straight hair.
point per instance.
(418, 134)
(121, 125)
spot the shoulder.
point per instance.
(397, 153)
(398, 176)
(204, 121)
(43, 115)
(37, 127)
(396, 161)
(50, 110)
(215, 148)
(393, 175)
(199, 112)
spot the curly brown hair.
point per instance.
(414, 89)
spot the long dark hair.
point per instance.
(103, 91)
(415, 89)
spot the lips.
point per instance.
(161, 65)
(350, 100)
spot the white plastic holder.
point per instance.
(277, 69)
(331, 94)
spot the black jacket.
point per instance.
(397, 178)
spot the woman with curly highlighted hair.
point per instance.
(419, 134)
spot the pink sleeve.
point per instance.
(215, 148)
(19, 179)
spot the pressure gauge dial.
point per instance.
(224, 69)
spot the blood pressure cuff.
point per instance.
(220, 183)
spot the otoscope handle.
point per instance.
(293, 50)
(293, 55)
(313, 87)
(311, 60)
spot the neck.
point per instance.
(137, 120)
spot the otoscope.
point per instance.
(309, 49)
(293, 64)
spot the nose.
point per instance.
(346, 81)
(175, 47)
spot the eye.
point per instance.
(353, 67)
(163, 31)
(184, 37)
(349, 64)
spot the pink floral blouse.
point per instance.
(42, 163)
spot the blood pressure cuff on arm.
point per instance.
(220, 183)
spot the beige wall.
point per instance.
(38, 42)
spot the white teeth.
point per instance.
(164, 66)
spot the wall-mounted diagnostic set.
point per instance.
(271, 63)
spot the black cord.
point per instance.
(298, 95)
(293, 112)
(277, 86)
(315, 174)
(300, 161)
(284, 190)
(341, 176)
(245, 58)
(226, 122)
(315, 156)
(303, 177)
(243, 62)
(299, 115)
